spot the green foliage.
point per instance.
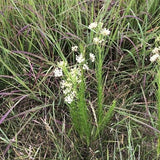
(114, 113)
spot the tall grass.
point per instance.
(114, 114)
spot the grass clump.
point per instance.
(79, 79)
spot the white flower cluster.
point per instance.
(68, 85)
(105, 32)
(93, 25)
(72, 75)
(75, 48)
(70, 97)
(80, 58)
(92, 57)
(58, 72)
(85, 67)
(68, 91)
(97, 40)
(156, 50)
(100, 30)
(156, 56)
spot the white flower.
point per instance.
(58, 72)
(154, 57)
(93, 25)
(65, 84)
(156, 50)
(61, 64)
(92, 57)
(68, 99)
(67, 90)
(96, 40)
(75, 48)
(73, 94)
(80, 58)
(85, 67)
(105, 32)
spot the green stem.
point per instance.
(100, 86)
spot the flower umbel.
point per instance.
(92, 57)
(75, 48)
(68, 91)
(69, 85)
(156, 50)
(105, 32)
(69, 99)
(93, 25)
(58, 72)
(80, 58)
(97, 40)
(154, 57)
(85, 67)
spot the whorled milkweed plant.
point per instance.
(73, 84)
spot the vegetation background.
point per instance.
(121, 89)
